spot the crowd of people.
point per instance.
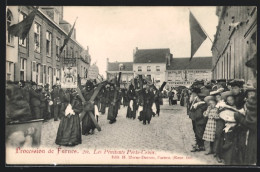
(223, 113)
(29, 101)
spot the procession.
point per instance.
(70, 103)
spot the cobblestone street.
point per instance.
(170, 132)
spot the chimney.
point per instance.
(107, 63)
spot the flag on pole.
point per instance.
(66, 40)
(22, 28)
(197, 34)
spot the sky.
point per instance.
(114, 32)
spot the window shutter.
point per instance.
(41, 73)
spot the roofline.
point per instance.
(47, 17)
(189, 57)
(120, 62)
(219, 24)
(186, 69)
(154, 49)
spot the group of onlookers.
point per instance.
(223, 113)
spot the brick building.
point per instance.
(235, 41)
(183, 72)
(37, 57)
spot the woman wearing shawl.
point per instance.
(69, 131)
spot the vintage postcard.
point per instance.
(131, 85)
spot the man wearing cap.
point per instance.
(35, 101)
(196, 114)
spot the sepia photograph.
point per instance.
(131, 85)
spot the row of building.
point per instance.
(159, 65)
(37, 57)
(235, 42)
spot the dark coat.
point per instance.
(249, 121)
(35, 98)
(196, 114)
(240, 100)
(17, 108)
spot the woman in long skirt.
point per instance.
(69, 131)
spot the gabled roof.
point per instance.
(114, 66)
(151, 55)
(195, 63)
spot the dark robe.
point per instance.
(148, 97)
(131, 95)
(158, 101)
(113, 108)
(69, 131)
(87, 123)
(103, 104)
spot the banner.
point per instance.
(93, 72)
(69, 77)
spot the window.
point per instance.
(22, 42)
(57, 48)
(10, 38)
(34, 66)
(23, 69)
(37, 41)
(71, 53)
(139, 68)
(158, 68)
(44, 69)
(8, 70)
(38, 66)
(148, 68)
(48, 43)
(76, 54)
(58, 73)
(149, 77)
(65, 52)
(54, 72)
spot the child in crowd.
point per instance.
(212, 114)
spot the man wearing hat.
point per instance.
(222, 83)
(26, 91)
(48, 100)
(196, 114)
(35, 101)
(238, 92)
(56, 98)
